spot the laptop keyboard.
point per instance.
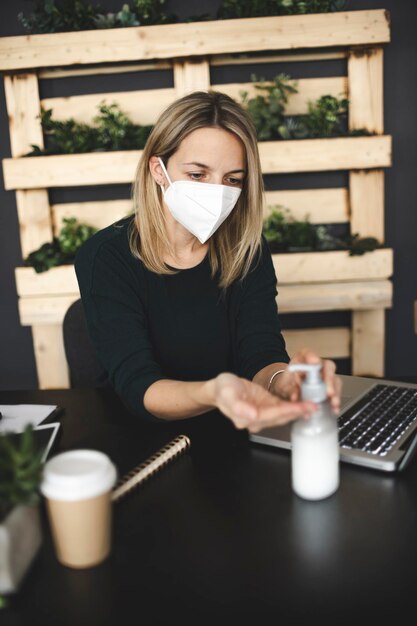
(376, 422)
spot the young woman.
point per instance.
(180, 298)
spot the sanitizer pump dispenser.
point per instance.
(315, 443)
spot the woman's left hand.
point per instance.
(288, 384)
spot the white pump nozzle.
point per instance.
(312, 370)
(313, 388)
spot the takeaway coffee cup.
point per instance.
(77, 487)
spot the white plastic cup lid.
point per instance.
(77, 475)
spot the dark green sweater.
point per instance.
(146, 326)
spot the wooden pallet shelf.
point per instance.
(308, 282)
(348, 28)
(104, 168)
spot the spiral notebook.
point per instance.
(151, 466)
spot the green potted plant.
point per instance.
(21, 468)
(326, 117)
(286, 234)
(112, 130)
(62, 249)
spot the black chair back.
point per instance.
(79, 350)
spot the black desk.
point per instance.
(218, 536)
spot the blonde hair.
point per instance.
(233, 247)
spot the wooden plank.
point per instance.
(316, 155)
(98, 214)
(67, 170)
(105, 168)
(67, 72)
(345, 28)
(331, 343)
(56, 281)
(142, 107)
(34, 219)
(347, 296)
(368, 343)
(45, 310)
(191, 75)
(317, 267)
(365, 79)
(51, 364)
(322, 206)
(245, 59)
(23, 107)
(367, 203)
(308, 89)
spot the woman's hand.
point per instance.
(288, 384)
(249, 405)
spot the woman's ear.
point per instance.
(157, 171)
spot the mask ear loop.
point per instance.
(165, 172)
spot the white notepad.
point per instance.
(15, 417)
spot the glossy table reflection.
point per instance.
(219, 537)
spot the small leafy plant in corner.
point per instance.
(62, 249)
(20, 470)
(327, 117)
(359, 245)
(286, 234)
(267, 108)
(112, 131)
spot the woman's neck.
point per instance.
(185, 248)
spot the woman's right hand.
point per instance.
(249, 405)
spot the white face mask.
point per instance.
(200, 207)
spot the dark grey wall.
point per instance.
(17, 365)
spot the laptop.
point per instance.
(377, 424)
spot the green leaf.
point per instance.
(62, 249)
(112, 131)
(21, 469)
(284, 233)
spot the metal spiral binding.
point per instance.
(153, 464)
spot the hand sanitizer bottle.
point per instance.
(315, 442)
